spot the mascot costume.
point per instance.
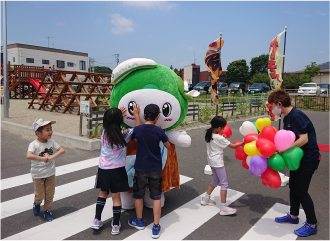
(143, 82)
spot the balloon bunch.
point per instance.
(267, 151)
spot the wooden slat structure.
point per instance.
(59, 91)
(56, 88)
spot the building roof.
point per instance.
(325, 68)
(26, 46)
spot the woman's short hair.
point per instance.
(280, 96)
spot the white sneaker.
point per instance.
(209, 202)
(227, 211)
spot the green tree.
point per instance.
(260, 78)
(294, 80)
(101, 69)
(311, 70)
(259, 64)
(171, 67)
(237, 71)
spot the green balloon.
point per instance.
(254, 123)
(292, 157)
(276, 162)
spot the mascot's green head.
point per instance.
(143, 82)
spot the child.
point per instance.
(40, 152)
(111, 175)
(215, 144)
(148, 167)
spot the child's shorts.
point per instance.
(140, 181)
(114, 180)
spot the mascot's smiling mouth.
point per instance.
(168, 119)
(130, 118)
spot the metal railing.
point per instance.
(319, 103)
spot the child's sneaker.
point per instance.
(115, 228)
(156, 231)
(48, 216)
(287, 219)
(133, 222)
(306, 230)
(36, 209)
(209, 202)
(227, 211)
(97, 224)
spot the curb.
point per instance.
(75, 141)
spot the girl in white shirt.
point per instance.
(215, 143)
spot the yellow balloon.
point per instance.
(251, 149)
(262, 122)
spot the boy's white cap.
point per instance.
(41, 122)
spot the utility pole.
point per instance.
(93, 64)
(48, 40)
(117, 58)
(5, 62)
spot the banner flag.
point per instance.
(211, 60)
(275, 63)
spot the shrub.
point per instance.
(206, 112)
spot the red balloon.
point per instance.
(268, 132)
(250, 137)
(265, 147)
(244, 164)
(239, 152)
(227, 131)
(271, 178)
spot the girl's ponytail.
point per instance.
(208, 135)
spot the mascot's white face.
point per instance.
(169, 106)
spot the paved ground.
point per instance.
(74, 211)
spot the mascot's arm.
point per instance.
(181, 139)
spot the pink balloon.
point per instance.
(293, 136)
(283, 140)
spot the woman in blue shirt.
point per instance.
(296, 121)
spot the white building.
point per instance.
(48, 57)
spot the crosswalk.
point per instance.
(177, 224)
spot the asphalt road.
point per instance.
(256, 201)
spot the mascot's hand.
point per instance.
(181, 139)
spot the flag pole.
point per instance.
(218, 74)
(285, 29)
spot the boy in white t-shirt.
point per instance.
(215, 143)
(41, 153)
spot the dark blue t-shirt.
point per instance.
(148, 157)
(299, 123)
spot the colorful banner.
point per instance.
(275, 63)
(212, 59)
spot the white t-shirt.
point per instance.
(215, 150)
(40, 169)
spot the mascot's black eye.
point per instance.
(167, 109)
(130, 107)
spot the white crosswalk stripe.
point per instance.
(179, 223)
(60, 170)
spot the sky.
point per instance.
(173, 33)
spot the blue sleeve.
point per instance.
(164, 137)
(299, 125)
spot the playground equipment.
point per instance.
(54, 89)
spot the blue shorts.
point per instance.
(140, 181)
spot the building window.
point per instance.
(13, 59)
(45, 61)
(29, 60)
(70, 64)
(60, 64)
(82, 65)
